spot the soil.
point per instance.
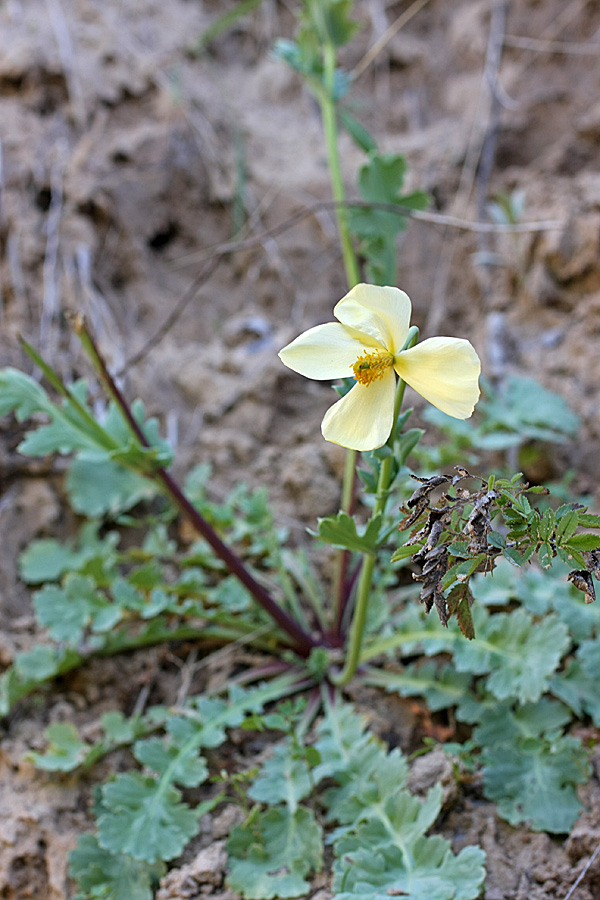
(126, 153)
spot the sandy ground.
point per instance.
(124, 154)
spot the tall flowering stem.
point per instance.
(327, 103)
(359, 618)
(301, 640)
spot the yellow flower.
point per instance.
(367, 341)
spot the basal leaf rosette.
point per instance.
(368, 342)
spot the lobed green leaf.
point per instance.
(272, 854)
(113, 876)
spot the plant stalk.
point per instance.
(303, 641)
(329, 115)
(368, 565)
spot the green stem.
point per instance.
(329, 114)
(366, 575)
(364, 586)
(341, 568)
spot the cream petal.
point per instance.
(445, 371)
(382, 312)
(362, 420)
(323, 352)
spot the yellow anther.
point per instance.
(371, 366)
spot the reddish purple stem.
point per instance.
(303, 641)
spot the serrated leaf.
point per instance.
(283, 778)
(147, 823)
(567, 526)
(65, 749)
(365, 784)
(342, 531)
(588, 520)
(496, 539)
(32, 668)
(185, 768)
(388, 855)
(441, 687)
(519, 654)
(579, 690)
(111, 876)
(340, 735)
(21, 394)
(545, 555)
(144, 816)
(380, 181)
(105, 488)
(517, 558)
(540, 592)
(465, 568)
(547, 525)
(581, 543)
(502, 723)
(66, 612)
(73, 429)
(272, 854)
(433, 873)
(48, 559)
(533, 781)
(44, 662)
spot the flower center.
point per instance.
(371, 366)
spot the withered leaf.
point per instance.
(592, 561)
(460, 599)
(582, 580)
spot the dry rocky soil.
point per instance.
(125, 157)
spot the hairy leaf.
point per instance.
(365, 784)
(579, 690)
(501, 723)
(342, 733)
(388, 855)
(284, 778)
(67, 612)
(519, 654)
(533, 780)
(105, 488)
(111, 876)
(185, 768)
(47, 559)
(65, 749)
(148, 823)
(272, 854)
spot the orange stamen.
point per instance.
(371, 366)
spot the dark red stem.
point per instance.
(303, 641)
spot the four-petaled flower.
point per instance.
(367, 341)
